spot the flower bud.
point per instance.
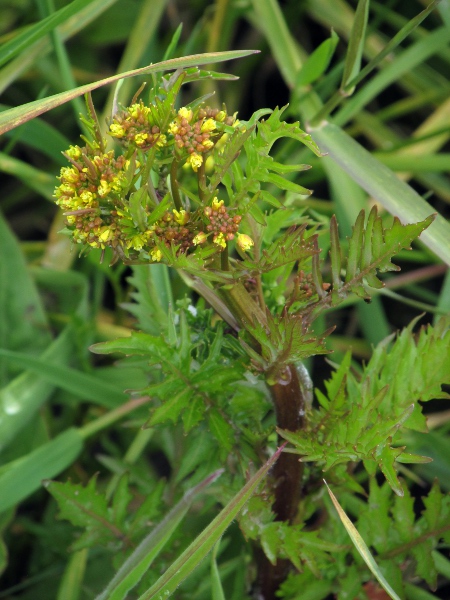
(244, 241)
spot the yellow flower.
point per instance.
(208, 126)
(161, 141)
(116, 130)
(87, 197)
(104, 188)
(74, 152)
(156, 254)
(70, 174)
(186, 113)
(208, 144)
(173, 128)
(221, 116)
(195, 160)
(200, 238)
(105, 235)
(181, 217)
(244, 241)
(216, 204)
(219, 240)
(140, 138)
(137, 241)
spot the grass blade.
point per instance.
(23, 40)
(361, 546)
(72, 579)
(381, 183)
(131, 572)
(16, 116)
(271, 21)
(23, 476)
(201, 546)
(355, 45)
(83, 385)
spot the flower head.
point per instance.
(200, 238)
(244, 241)
(195, 161)
(156, 254)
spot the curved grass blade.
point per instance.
(356, 44)
(361, 546)
(201, 546)
(16, 116)
(23, 476)
(23, 40)
(72, 579)
(131, 572)
(83, 385)
(381, 183)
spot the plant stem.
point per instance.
(174, 184)
(289, 401)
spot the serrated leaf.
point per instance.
(121, 499)
(370, 250)
(221, 430)
(85, 507)
(171, 409)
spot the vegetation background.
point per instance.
(400, 113)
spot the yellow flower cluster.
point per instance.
(103, 208)
(196, 134)
(136, 125)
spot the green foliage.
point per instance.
(370, 250)
(217, 341)
(361, 413)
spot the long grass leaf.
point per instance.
(24, 475)
(381, 183)
(356, 44)
(131, 572)
(36, 51)
(416, 54)
(83, 385)
(201, 546)
(361, 546)
(23, 40)
(70, 587)
(271, 21)
(16, 116)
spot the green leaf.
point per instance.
(16, 116)
(72, 580)
(85, 507)
(383, 185)
(361, 546)
(317, 62)
(221, 430)
(23, 322)
(24, 476)
(203, 544)
(370, 249)
(356, 45)
(132, 570)
(23, 40)
(216, 584)
(23, 396)
(83, 385)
